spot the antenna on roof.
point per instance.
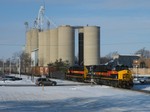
(40, 18)
(51, 21)
(48, 24)
(44, 3)
(26, 25)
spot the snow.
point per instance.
(70, 97)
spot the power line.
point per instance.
(11, 44)
(122, 43)
(127, 43)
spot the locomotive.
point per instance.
(120, 76)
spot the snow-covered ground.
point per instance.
(70, 97)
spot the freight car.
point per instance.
(39, 71)
(47, 71)
(78, 73)
(120, 76)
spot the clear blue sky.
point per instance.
(125, 24)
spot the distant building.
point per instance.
(126, 60)
(142, 63)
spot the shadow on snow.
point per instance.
(92, 104)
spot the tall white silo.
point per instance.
(53, 45)
(46, 47)
(41, 49)
(91, 45)
(66, 49)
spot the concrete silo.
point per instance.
(46, 46)
(91, 45)
(66, 43)
(34, 39)
(53, 45)
(28, 41)
(41, 49)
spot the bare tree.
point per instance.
(111, 54)
(143, 52)
(25, 61)
(108, 57)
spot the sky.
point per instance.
(124, 24)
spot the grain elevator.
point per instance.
(48, 45)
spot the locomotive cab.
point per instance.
(124, 75)
(125, 78)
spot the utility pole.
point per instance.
(3, 67)
(19, 66)
(92, 80)
(9, 65)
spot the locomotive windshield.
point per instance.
(122, 67)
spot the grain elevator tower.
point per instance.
(48, 45)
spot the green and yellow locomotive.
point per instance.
(120, 77)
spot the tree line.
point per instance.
(23, 61)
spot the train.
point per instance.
(119, 76)
(39, 71)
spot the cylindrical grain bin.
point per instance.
(53, 45)
(41, 49)
(46, 47)
(34, 40)
(66, 49)
(91, 45)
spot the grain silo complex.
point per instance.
(59, 43)
(48, 45)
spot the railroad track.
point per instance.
(141, 91)
(135, 90)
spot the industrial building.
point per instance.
(46, 46)
(49, 45)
